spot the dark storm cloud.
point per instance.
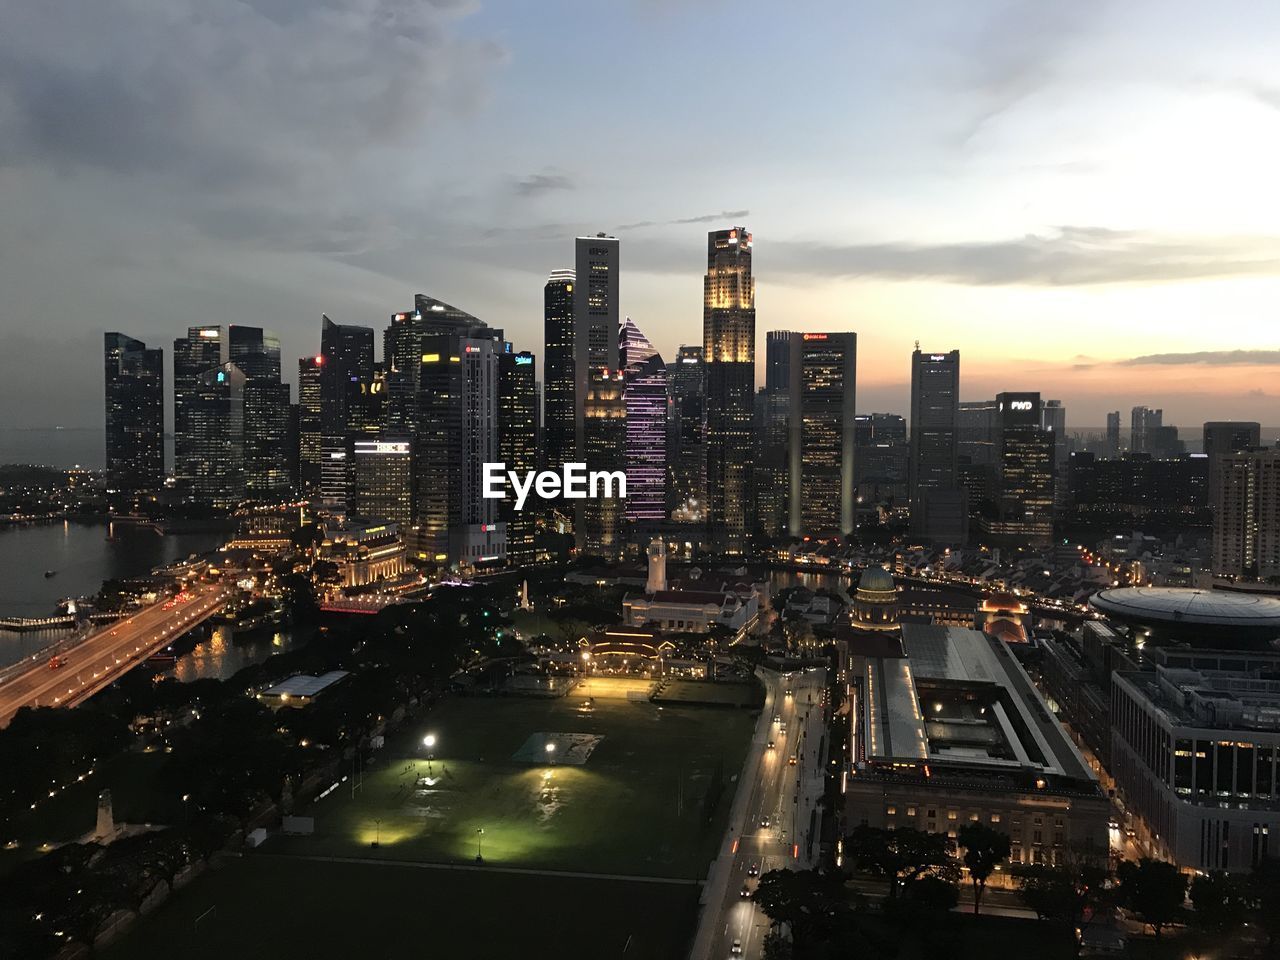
(227, 103)
(1069, 256)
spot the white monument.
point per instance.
(657, 566)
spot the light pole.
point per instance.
(429, 741)
(479, 838)
(377, 827)
(551, 753)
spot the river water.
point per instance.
(82, 556)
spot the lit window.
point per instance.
(951, 815)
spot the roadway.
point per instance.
(786, 797)
(103, 657)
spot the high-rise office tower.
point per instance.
(215, 418)
(647, 398)
(595, 318)
(1143, 423)
(880, 462)
(201, 350)
(518, 447)
(771, 470)
(383, 488)
(1025, 473)
(602, 529)
(1113, 434)
(688, 463)
(265, 422)
(1221, 437)
(821, 450)
(729, 349)
(310, 433)
(938, 503)
(454, 434)
(559, 390)
(134, 413)
(348, 365)
(1246, 514)
(978, 428)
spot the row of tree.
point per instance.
(922, 871)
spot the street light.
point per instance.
(479, 838)
(551, 753)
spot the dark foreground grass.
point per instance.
(639, 806)
(279, 907)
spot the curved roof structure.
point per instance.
(876, 579)
(1184, 612)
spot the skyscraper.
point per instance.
(134, 413)
(729, 350)
(1246, 514)
(647, 398)
(518, 447)
(771, 469)
(1025, 473)
(348, 364)
(201, 350)
(265, 423)
(595, 319)
(821, 429)
(602, 527)
(559, 416)
(455, 433)
(938, 503)
(1113, 434)
(310, 434)
(215, 418)
(383, 488)
(1143, 423)
(688, 461)
(1221, 437)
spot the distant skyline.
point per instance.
(1080, 198)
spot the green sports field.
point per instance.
(638, 804)
(278, 907)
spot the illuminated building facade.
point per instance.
(383, 471)
(309, 432)
(348, 364)
(647, 399)
(1221, 437)
(134, 413)
(518, 446)
(602, 530)
(595, 319)
(938, 504)
(823, 381)
(215, 419)
(455, 434)
(688, 466)
(1023, 508)
(560, 430)
(201, 350)
(729, 350)
(771, 469)
(1246, 515)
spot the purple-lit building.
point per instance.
(647, 395)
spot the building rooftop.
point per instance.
(1188, 607)
(303, 685)
(960, 700)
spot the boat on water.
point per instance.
(50, 573)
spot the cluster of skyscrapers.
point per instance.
(710, 461)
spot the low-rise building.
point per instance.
(948, 729)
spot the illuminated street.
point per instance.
(783, 795)
(108, 654)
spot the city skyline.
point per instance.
(1008, 168)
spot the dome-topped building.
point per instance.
(875, 601)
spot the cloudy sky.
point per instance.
(1082, 197)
